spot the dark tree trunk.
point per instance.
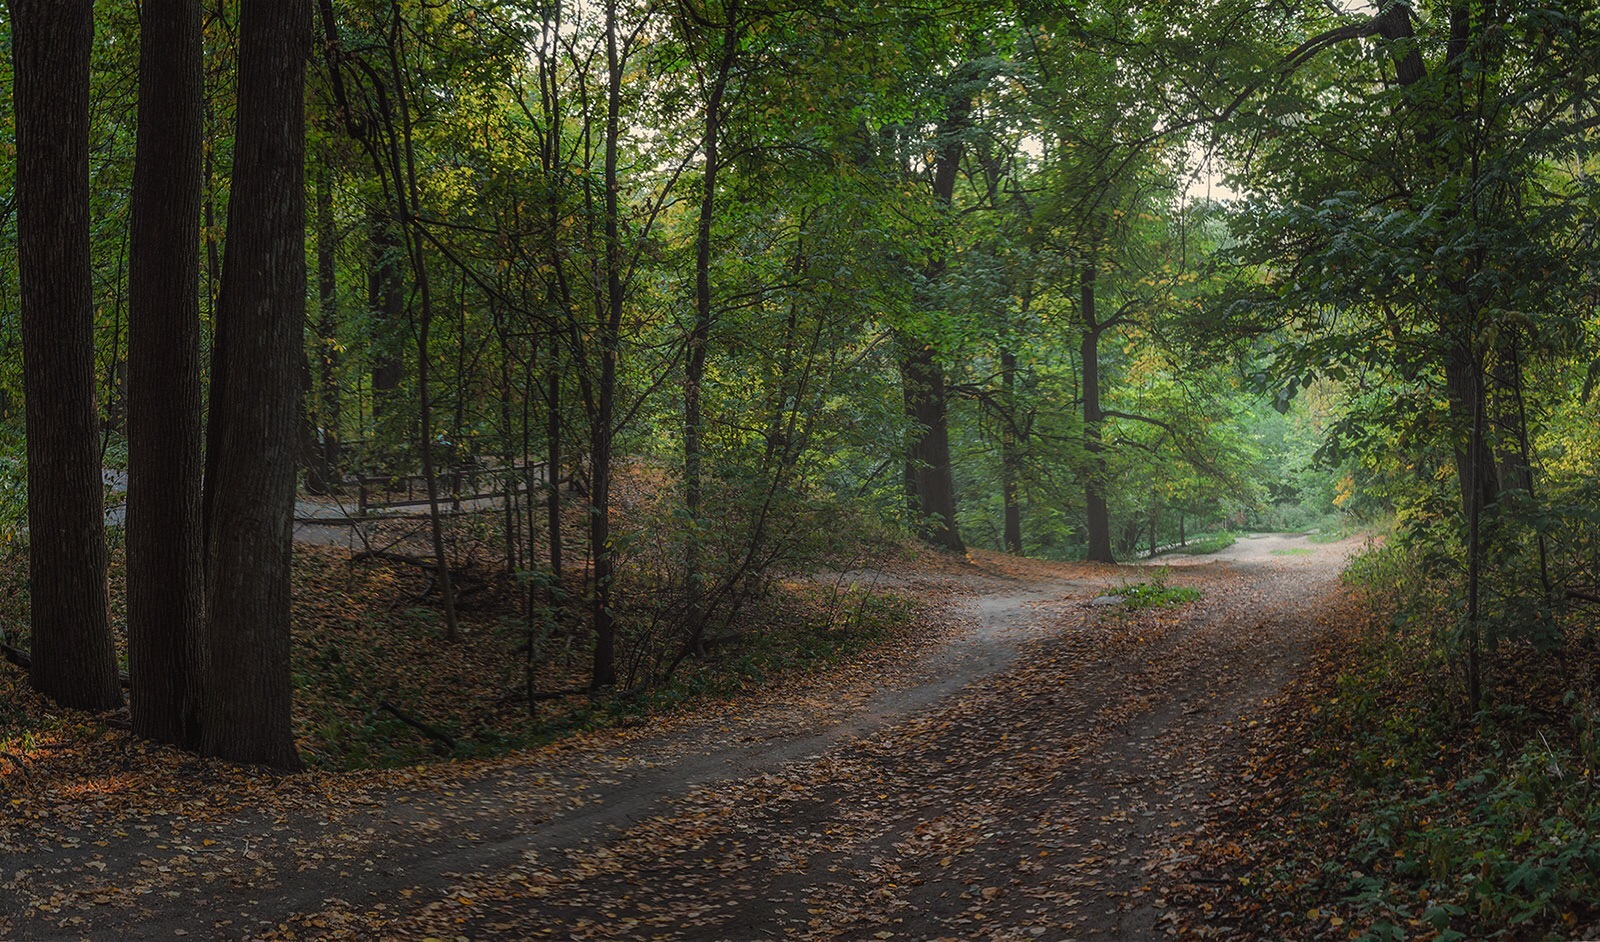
(1010, 454)
(1094, 479)
(699, 336)
(386, 299)
(552, 418)
(166, 563)
(1475, 465)
(928, 454)
(930, 483)
(74, 661)
(600, 429)
(255, 406)
(407, 206)
(327, 321)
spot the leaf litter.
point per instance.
(1056, 791)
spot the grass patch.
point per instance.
(1292, 551)
(1156, 593)
(1207, 544)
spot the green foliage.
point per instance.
(1156, 593)
(1449, 826)
(1206, 544)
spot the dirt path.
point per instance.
(1022, 775)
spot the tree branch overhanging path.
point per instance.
(1028, 767)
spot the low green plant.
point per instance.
(1207, 544)
(1156, 593)
(1451, 825)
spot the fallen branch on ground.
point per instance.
(434, 733)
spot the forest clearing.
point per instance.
(743, 469)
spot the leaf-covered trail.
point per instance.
(1023, 773)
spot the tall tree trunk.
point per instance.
(928, 458)
(695, 361)
(929, 480)
(386, 300)
(255, 406)
(166, 560)
(408, 198)
(327, 319)
(74, 661)
(1094, 479)
(1475, 464)
(552, 474)
(1010, 454)
(601, 432)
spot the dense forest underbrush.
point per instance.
(1377, 805)
(378, 684)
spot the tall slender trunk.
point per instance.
(560, 297)
(405, 180)
(255, 406)
(1094, 480)
(1010, 454)
(328, 319)
(73, 659)
(166, 560)
(1475, 465)
(553, 459)
(600, 430)
(1525, 462)
(508, 460)
(1476, 495)
(695, 361)
(386, 300)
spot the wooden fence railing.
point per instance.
(457, 486)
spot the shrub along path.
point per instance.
(1026, 766)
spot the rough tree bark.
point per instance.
(255, 403)
(73, 659)
(1010, 453)
(1094, 480)
(166, 565)
(930, 483)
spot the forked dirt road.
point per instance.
(1025, 772)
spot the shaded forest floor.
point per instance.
(1009, 762)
